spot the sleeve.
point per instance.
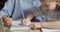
(8, 8)
(37, 3)
(2, 13)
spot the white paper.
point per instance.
(50, 30)
(16, 26)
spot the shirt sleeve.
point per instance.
(2, 13)
(7, 9)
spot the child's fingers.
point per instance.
(23, 22)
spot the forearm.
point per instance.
(29, 16)
(35, 25)
(55, 24)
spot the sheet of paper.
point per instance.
(16, 26)
(50, 30)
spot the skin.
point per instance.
(48, 6)
(7, 21)
(52, 25)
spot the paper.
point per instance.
(50, 30)
(16, 26)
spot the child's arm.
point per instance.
(29, 16)
(27, 20)
(53, 25)
(35, 25)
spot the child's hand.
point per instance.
(7, 21)
(35, 25)
(25, 22)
